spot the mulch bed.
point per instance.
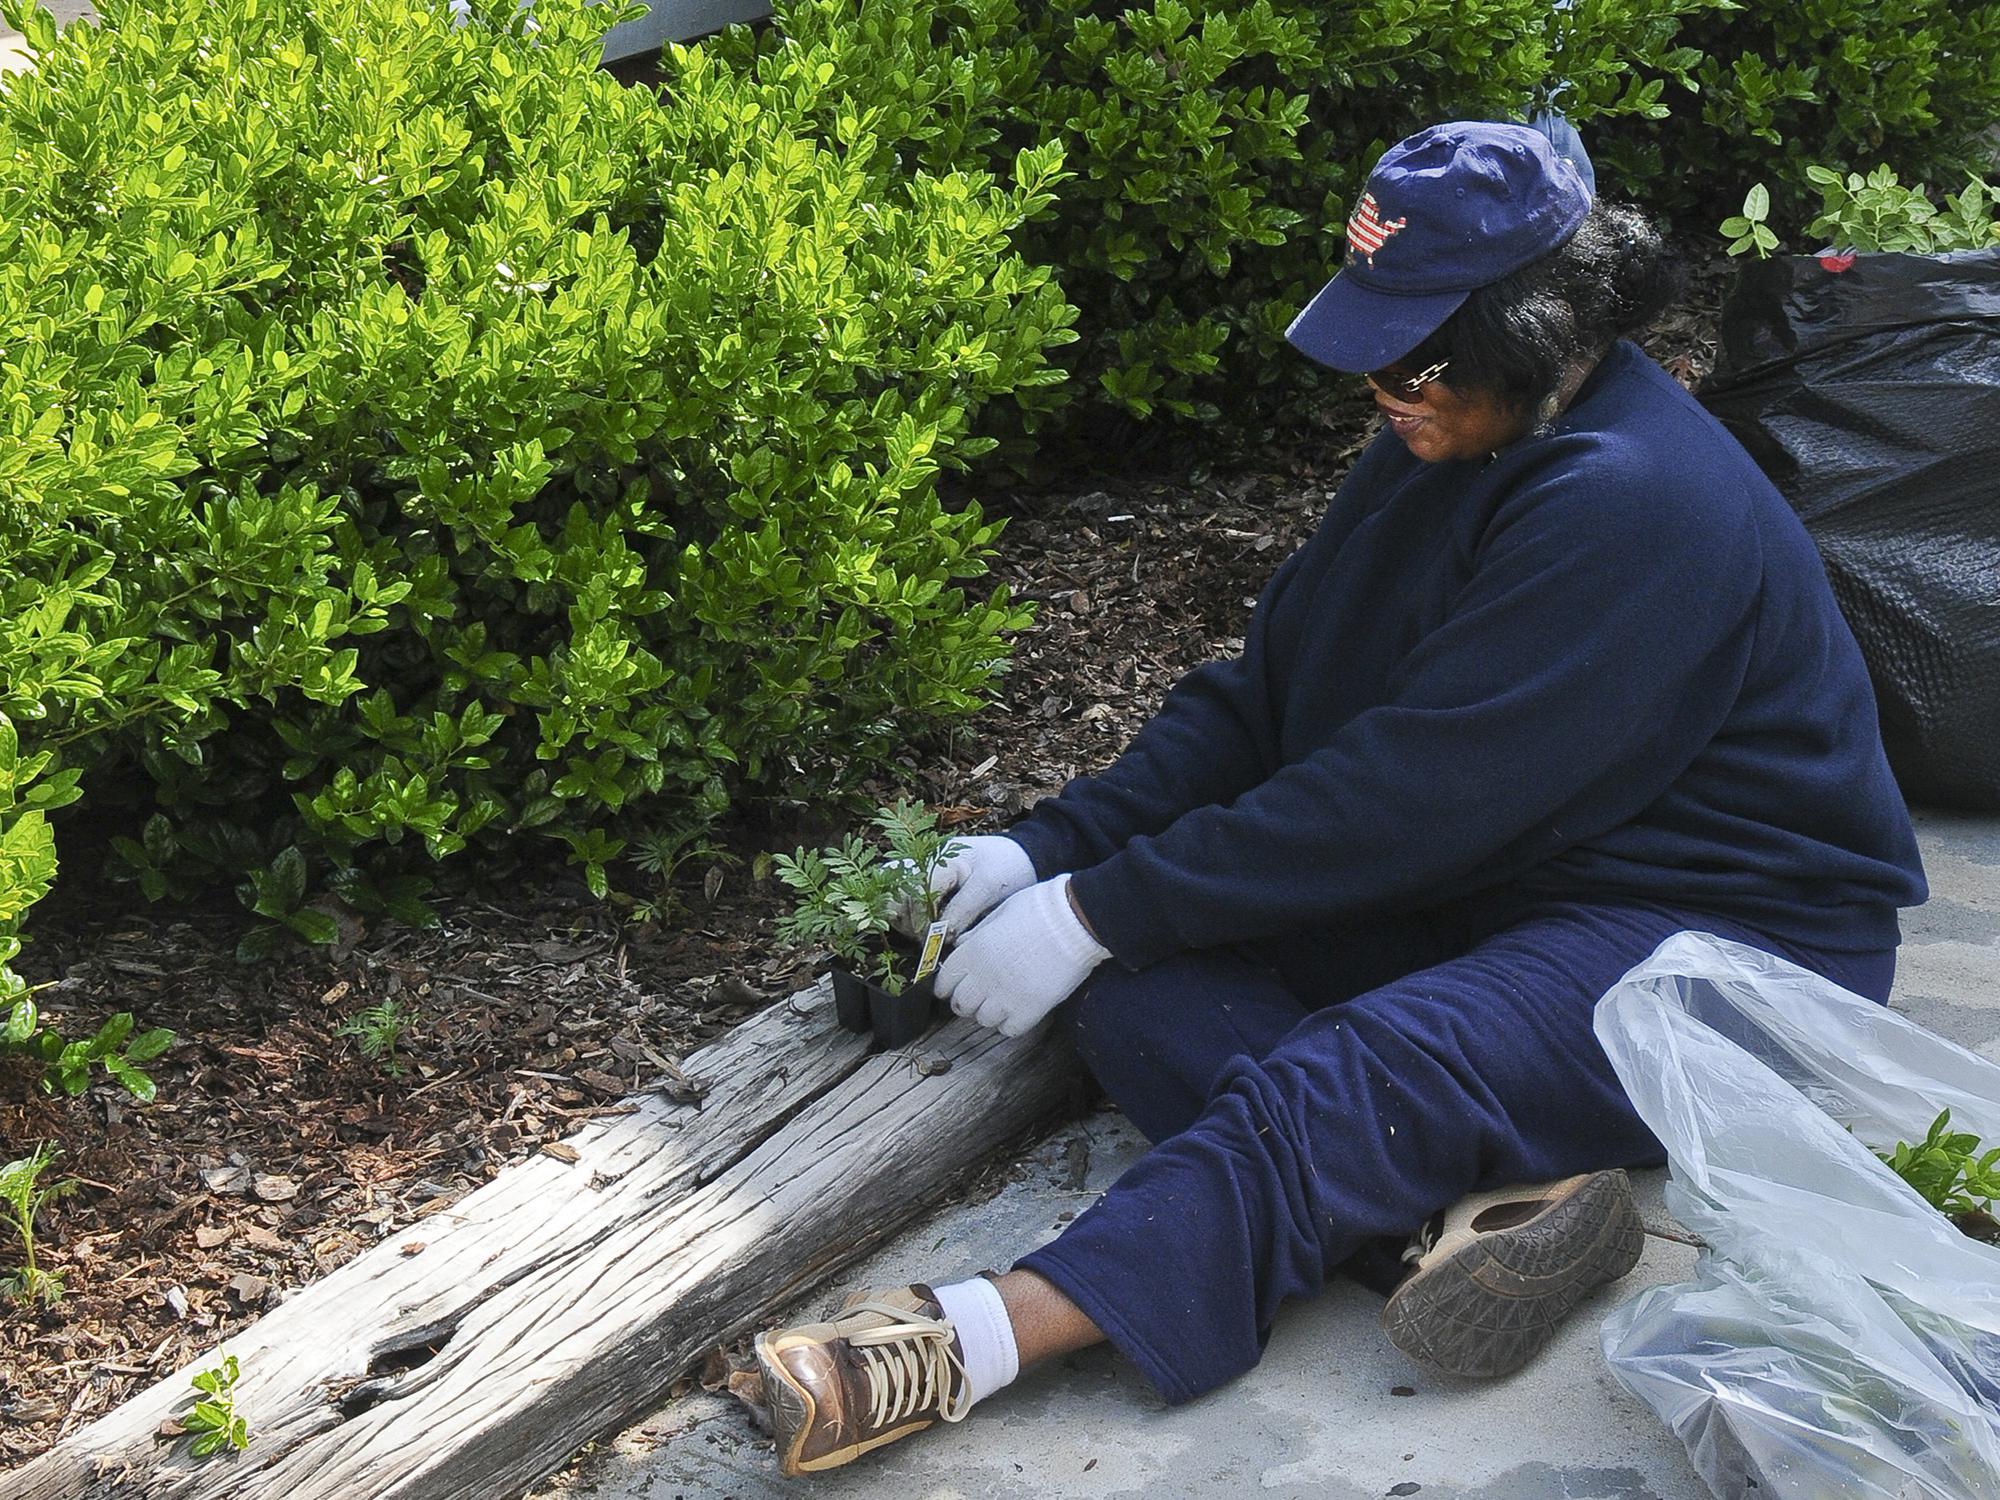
(276, 1152)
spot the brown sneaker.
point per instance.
(1505, 1268)
(887, 1365)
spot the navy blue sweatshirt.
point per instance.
(1604, 665)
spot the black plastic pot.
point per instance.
(895, 1020)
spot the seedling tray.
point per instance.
(895, 1020)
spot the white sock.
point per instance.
(985, 1334)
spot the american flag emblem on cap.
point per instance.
(1368, 231)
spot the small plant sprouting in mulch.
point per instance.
(379, 1028)
(661, 852)
(27, 1030)
(20, 1200)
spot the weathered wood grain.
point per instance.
(561, 1300)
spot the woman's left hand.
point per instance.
(1022, 961)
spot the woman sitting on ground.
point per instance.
(1558, 675)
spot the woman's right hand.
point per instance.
(986, 870)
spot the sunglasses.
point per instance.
(1395, 382)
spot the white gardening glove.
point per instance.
(1022, 961)
(987, 869)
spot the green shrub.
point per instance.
(1217, 145)
(1873, 213)
(1877, 212)
(1784, 83)
(411, 439)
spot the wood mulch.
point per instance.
(276, 1152)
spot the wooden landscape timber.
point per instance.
(471, 1354)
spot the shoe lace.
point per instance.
(909, 1364)
(1422, 1241)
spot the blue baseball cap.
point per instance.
(1451, 209)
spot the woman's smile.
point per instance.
(1403, 423)
(1448, 424)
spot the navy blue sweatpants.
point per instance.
(1309, 1099)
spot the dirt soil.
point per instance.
(276, 1151)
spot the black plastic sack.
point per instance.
(1868, 388)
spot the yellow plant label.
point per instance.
(933, 949)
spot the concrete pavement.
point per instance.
(14, 55)
(1333, 1412)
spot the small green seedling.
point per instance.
(1948, 1169)
(379, 1027)
(213, 1423)
(850, 893)
(661, 852)
(1748, 231)
(20, 1201)
(66, 1064)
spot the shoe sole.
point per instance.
(1490, 1306)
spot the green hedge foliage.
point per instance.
(1216, 145)
(1788, 83)
(411, 438)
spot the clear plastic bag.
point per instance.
(1840, 1336)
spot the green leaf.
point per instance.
(159, 839)
(288, 873)
(259, 944)
(314, 926)
(110, 1034)
(148, 1045)
(137, 1083)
